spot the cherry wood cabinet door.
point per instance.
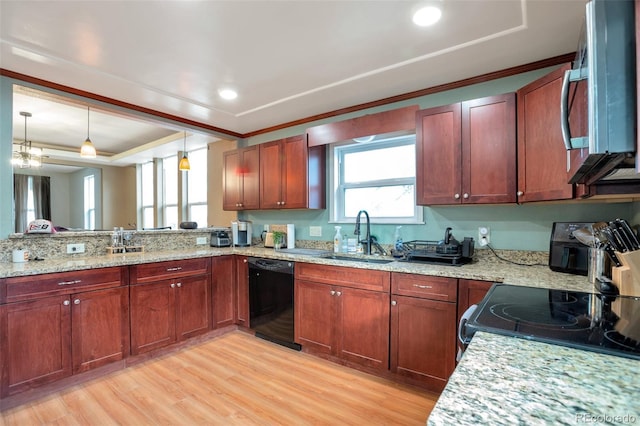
(223, 280)
(489, 150)
(231, 180)
(242, 292)
(315, 313)
(250, 178)
(153, 316)
(193, 315)
(295, 184)
(423, 339)
(542, 157)
(438, 155)
(100, 332)
(241, 179)
(271, 175)
(471, 292)
(35, 339)
(363, 323)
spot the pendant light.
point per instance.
(184, 161)
(87, 150)
(27, 156)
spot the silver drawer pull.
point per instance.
(76, 302)
(66, 303)
(422, 286)
(179, 285)
(179, 268)
(70, 282)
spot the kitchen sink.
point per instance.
(304, 251)
(356, 259)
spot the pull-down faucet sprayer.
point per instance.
(367, 240)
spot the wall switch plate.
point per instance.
(315, 231)
(201, 240)
(484, 235)
(75, 248)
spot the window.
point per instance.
(197, 188)
(170, 185)
(148, 188)
(378, 177)
(89, 202)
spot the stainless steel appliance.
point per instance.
(271, 300)
(566, 253)
(590, 321)
(606, 64)
(220, 238)
(241, 233)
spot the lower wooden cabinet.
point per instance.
(342, 320)
(166, 311)
(223, 290)
(46, 339)
(423, 328)
(471, 292)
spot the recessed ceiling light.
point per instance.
(228, 94)
(427, 15)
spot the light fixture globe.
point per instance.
(87, 150)
(427, 15)
(184, 161)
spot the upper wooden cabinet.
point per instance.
(240, 179)
(542, 157)
(466, 152)
(289, 178)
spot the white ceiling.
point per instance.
(288, 60)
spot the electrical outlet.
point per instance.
(75, 248)
(315, 231)
(484, 235)
(201, 240)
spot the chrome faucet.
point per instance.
(367, 240)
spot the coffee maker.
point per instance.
(241, 233)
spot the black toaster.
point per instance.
(220, 238)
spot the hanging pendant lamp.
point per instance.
(87, 150)
(27, 156)
(184, 161)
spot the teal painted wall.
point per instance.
(513, 227)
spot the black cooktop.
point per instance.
(594, 322)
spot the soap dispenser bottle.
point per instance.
(398, 239)
(337, 240)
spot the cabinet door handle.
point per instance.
(394, 303)
(173, 285)
(332, 292)
(179, 285)
(456, 196)
(282, 203)
(338, 293)
(72, 282)
(76, 302)
(179, 268)
(520, 193)
(422, 286)
(66, 303)
(465, 196)
(244, 260)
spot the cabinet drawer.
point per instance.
(37, 286)
(170, 269)
(427, 287)
(365, 279)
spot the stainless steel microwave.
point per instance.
(605, 66)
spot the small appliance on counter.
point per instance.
(241, 233)
(566, 253)
(589, 321)
(447, 251)
(220, 238)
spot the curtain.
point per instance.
(41, 186)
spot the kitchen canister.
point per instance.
(20, 255)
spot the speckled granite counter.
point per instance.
(486, 268)
(510, 381)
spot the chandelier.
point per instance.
(26, 156)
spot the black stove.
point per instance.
(589, 321)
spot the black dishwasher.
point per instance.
(271, 300)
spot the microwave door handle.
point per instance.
(564, 110)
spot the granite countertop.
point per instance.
(486, 268)
(511, 381)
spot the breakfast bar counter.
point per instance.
(505, 380)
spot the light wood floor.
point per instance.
(234, 379)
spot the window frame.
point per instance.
(336, 170)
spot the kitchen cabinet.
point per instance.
(170, 302)
(241, 291)
(542, 157)
(466, 152)
(471, 292)
(241, 179)
(423, 328)
(56, 325)
(222, 290)
(343, 312)
(290, 174)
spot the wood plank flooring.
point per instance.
(235, 379)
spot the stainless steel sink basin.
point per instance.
(356, 259)
(305, 251)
